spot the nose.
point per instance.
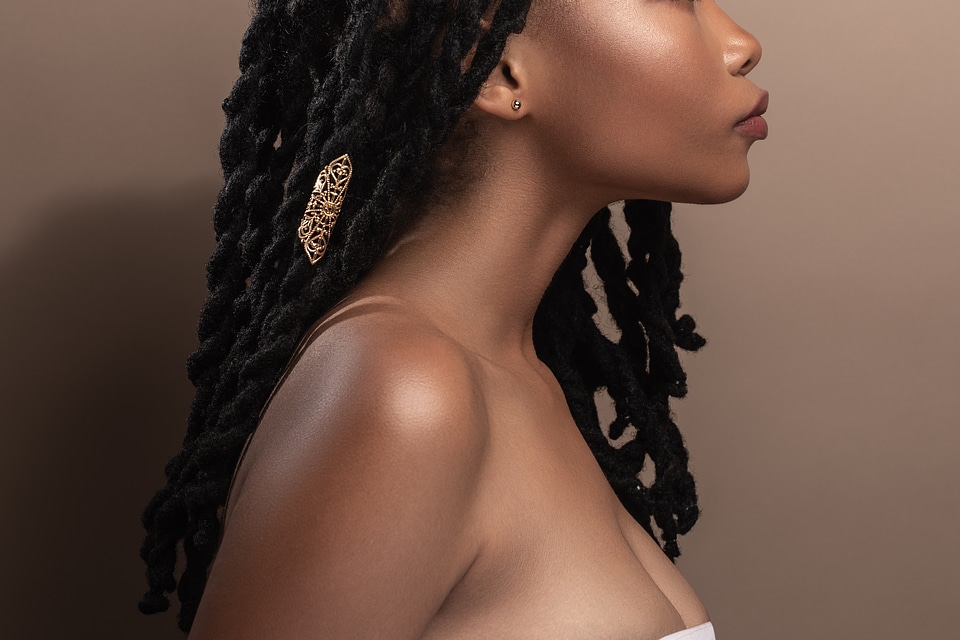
(741, 50)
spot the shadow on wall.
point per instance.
(100, 310)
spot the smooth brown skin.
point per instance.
(418, 473)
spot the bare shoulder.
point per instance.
(355, 502)
(379, 361)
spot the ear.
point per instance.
(504, 86)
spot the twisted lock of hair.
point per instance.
(584, 361)
(385, 81)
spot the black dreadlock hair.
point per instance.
(385, 81)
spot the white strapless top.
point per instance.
(700, 632)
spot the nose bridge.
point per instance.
(741, 51)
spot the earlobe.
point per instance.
(500, 94)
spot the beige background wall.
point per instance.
(822, 417)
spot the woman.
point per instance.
(428, 461)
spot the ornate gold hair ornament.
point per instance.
(324, 207)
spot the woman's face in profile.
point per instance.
(647, 96)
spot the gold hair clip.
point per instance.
(324, 207)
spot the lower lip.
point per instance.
(755, 127)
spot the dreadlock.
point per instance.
(385, 81)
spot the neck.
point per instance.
(478, 266)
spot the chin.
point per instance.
(715, 193)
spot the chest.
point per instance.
(559, 556)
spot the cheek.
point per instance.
(642, 110)
(641, 82)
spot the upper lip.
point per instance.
(760, 109)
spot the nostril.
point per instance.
(753, 56)
(742, 54)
